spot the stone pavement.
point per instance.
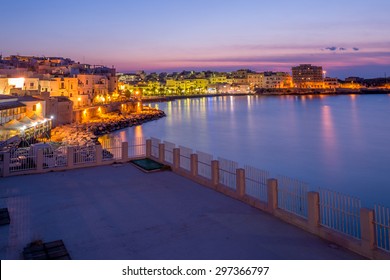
(119, 212)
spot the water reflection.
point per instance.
(336, 142)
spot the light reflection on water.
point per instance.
(335, 142)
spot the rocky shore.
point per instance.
(86, 133)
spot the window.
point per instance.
(31, 85)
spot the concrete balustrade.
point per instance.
(240, 182)
(148, 148)
(367, 228)
(99, 155)
(313, 211)
(39, 161)
(272, 191)
(125, 151)
(161, 152)
(70, 157)
(176, 158)
(194, 165)
(215, 173)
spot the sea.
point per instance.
(335, 142)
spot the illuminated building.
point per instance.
(308, 76)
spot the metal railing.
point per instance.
(185, 158)
(22, 159)
(111, 148)
(382, 227)
(204, 164)
(256, 182)
(292, 195)
(227, 172)
(84, 154)
(155, 146)
(340, 212)
(137, 147)
(61, 155)
(169, 151)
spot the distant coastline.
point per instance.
(274, 92)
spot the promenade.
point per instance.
(120, 212)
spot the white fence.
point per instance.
(112, 148)
(340, 212)
(382, 227)
(204, 164)
(137, 147)
(169, 151)
(292, 195)
(256, 182)
(185, 158)
(227, 172)
(84, 154)
(22, 159)
(155, 146)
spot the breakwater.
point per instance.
(86, 133)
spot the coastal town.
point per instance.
(50, 97)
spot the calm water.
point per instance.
(334, 142)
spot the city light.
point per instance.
(16, 82)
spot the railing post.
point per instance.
(272, 193)
(148, 148)
(39, 160)
(176, 158)
(240, 182)
(313, 210)
(6, 161)
(367, 228)
(161, 152)
(99, 154)
(194, 165)
(70, 157)
(125, 151)
(215, 172)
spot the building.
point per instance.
(22, 117)
(255, 80)
(59, 109)
(11, 109)
(276, 80)
(331, 83)
(307, 76)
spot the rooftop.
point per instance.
(120, 212)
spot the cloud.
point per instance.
(355, 49)
(331, 48)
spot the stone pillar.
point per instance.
(99, 154)
(148, 148)
(240, 182)
(161, 152)
(176, 158)
(70, 157)
(215, 172)
(313, 210)
(367, 228)
(272, 193)
(194, 165)
(6, 161)
(125, 151)
(39, 160)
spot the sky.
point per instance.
(347, 38)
